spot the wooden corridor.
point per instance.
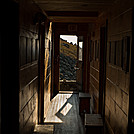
(63, 113)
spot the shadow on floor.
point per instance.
(63, 113)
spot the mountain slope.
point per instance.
(68, 57)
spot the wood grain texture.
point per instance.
(64, 114)
(117, 82)
(74, 5)
(43, 129)
(93, 120)
(93, 124)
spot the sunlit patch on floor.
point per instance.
(66, 109)
(63, 113)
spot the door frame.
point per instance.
(102, 69)
(56, 63)
(58, 29)
(78, 62)
(41, 73)
(88, 62)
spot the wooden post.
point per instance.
(41, 75)
(102, 69)
(77, 51)
(85, 64)
(56, 62)
(88, 63)
(52, 66)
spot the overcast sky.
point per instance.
(69, 38)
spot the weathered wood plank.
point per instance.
(64, 114)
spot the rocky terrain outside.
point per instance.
(68, 58)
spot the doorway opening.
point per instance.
(68, 61)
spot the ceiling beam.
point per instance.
(76, 1)
(72, 13)
(74, 7)
(72, 19)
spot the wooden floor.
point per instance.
(63, 113)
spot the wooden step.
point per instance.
(44, 129)
(68, 92)
(93, 124)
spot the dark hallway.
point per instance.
(30, 85)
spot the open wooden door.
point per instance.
(79, 63)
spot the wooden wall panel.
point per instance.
(28, 97)
(22, 51)
(36, 49)
(94, 86)
(28, 50)
(95, 73)
(113, 52)
(125, 53)
(117, 83)
(117, 78)
(94, 68)
(28, 72)
(33, 49)
(119, 53)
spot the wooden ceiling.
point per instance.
(73, 10)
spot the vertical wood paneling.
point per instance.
(22, 51)
(117, 78)
(28, 50)
(119, 53)
(28, 72)
(94, 69)
(33, 45)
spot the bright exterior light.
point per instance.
(69, 38)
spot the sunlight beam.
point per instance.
(66, 109)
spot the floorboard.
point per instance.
(63, 113)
